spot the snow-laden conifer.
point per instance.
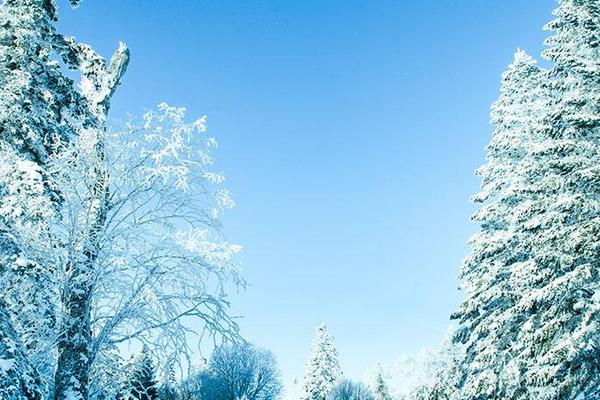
(489, 311)
(143, 384)
(381, 390)
(531, 314)
(558, 345)
(322, 369)
(41, 110)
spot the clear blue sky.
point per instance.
(349, 132)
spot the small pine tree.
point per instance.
(168, 389)
(322, 369)
(381, 390)
(143, 384)
(41, 109)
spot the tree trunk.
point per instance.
(75, 346)
(76, 353)
(72, 373)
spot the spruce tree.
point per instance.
(530, 320)
(38, 102)
(143, 384)
(41, 109)
(322, 369)
(488, 312)
(168, 388)
(558, 332)
(381, 390)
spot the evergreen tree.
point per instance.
(143, 384)
(488, 312)
(530, 320)
(41, 109)
(168, 388)
(559, 343)
(322, 369)
(381, 390)
(39, 103)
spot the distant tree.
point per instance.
(143, 384)
(168, 392)
(212, 386)
(431, 374)
(190, 388)
(441, 375)
(381, 390)
(241, 371)
(345, 389)
(168, 387)
(322, 369)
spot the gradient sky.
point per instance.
(349, 132)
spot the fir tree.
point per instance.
(488, 312)
(530, 319)
(558, 331)
(143, 384)
(381, 390)
(39, 103)
(41, 110)
(322, 369)
(168, 388)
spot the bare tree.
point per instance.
(159, 263)
(241, 371)
(348, 390)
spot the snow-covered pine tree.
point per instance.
(143, 384)
(559, 345)
(531, 316)
(168, 387)
(40, 110)
(489, 312)
(38, 102)
(381, 391)
(322, 369)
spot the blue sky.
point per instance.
(349, 132)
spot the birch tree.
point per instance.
(242, 371)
